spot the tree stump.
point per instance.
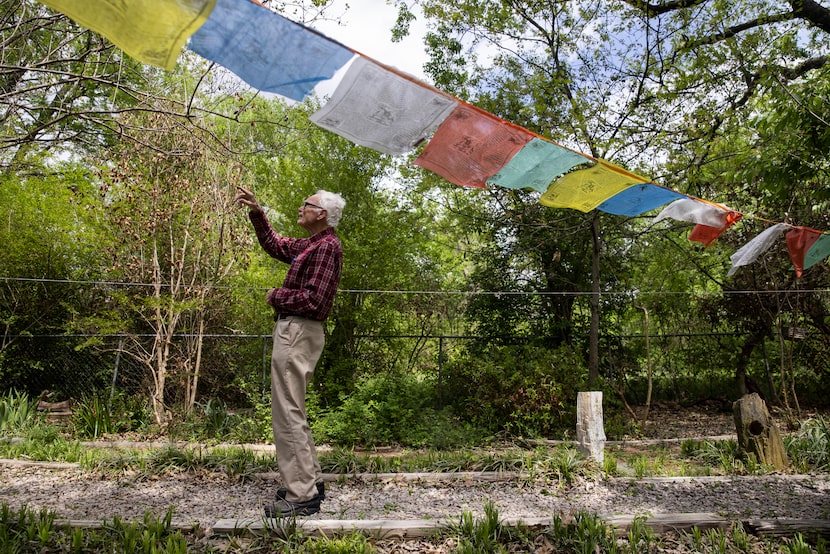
(590, 433)
(758, 436)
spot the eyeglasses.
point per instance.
(310, 205)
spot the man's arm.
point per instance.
(281, 248)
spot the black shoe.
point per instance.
(284, 508)
(321, 492)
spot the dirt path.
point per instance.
(203, 499)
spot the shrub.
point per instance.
(523, 390)
(17, 413)
(392, 409)
(96, 415)
(811, 445)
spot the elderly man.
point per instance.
(300, 307)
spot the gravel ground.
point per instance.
(79, 495)
(204, 499)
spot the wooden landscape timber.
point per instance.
(423, 528)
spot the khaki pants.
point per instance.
(298, 343)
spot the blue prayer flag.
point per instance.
(267, 51)
(639, 199)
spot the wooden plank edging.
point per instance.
(424, 528)
(428, 476)
(421, 528)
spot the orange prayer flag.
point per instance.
(707, 234)
(472, 145)
(799, 241)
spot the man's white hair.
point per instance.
(333, 203)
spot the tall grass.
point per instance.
(18, 412)
(810, 447)
(27, 530)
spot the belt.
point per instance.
(277, 317)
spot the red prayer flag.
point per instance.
(707, 234)
(471, 146)
(799, 241)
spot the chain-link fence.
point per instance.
(235, 367)
(69, 367)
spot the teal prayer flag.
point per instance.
(536, 165)
(817, 252)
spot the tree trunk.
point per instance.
(593, 339)
(744, 383)
(648, 363)
(758, 436)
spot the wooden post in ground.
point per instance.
(758, 436)
(590, 433)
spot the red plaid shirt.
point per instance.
(314, 273)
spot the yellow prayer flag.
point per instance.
(585, 189)
(151, 31)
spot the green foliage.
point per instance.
(44, 443)
(17, 413)
(254, 426)
(26, 530)
(392, 409)
(809, 448)
(96, 415)
(723, 454)
(217, 421)
(92, 417)
(523, 390)
(352, 543)
(587, 533)
(480, 536)
(47, 233)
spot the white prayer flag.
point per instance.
(376, 108)
(750, 251)
(695, 211)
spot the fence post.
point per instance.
(117, 363)
(590, 432)
(440, 367)
(265, 388)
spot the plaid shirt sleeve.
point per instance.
(282, 248)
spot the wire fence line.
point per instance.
(605, 293)
(233, 365)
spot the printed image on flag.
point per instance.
(585, 189)
(376, 108)
(471, 146)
